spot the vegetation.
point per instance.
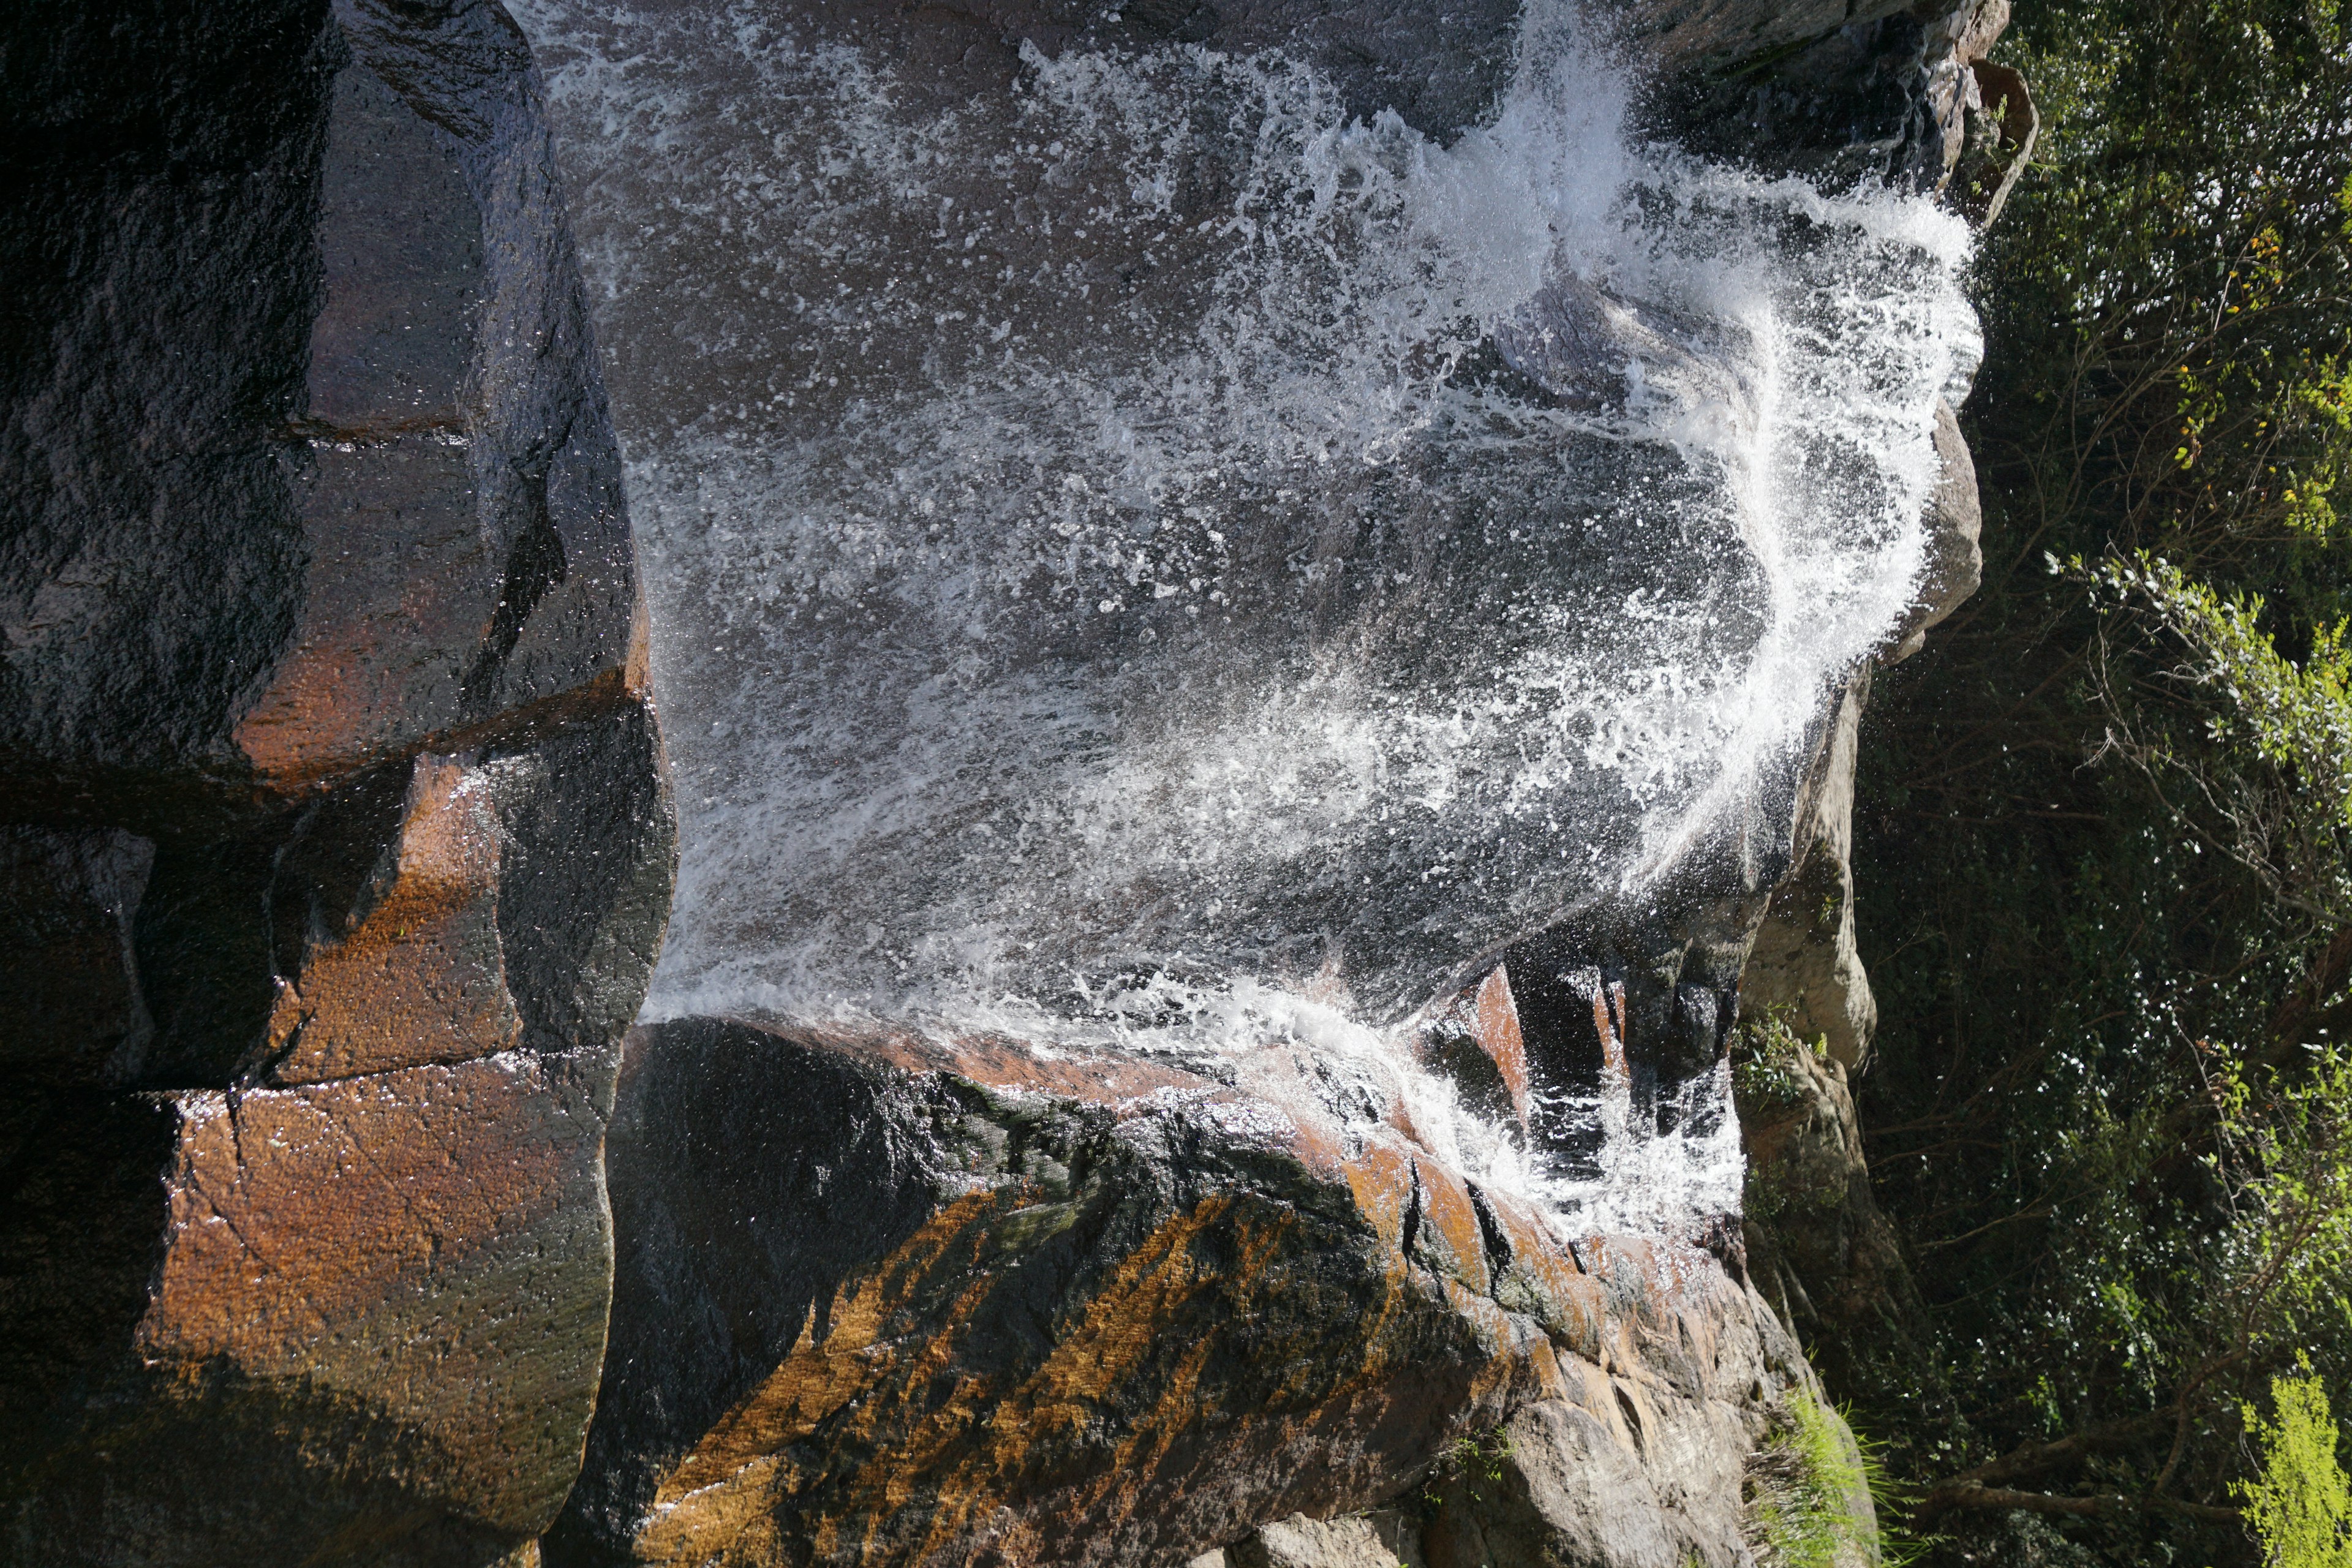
(1771, 1086)
(1804, 1490)
(2299, 1505)
(2105, 842)
(1765, 1074)
(1472, 1461)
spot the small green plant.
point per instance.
(1472, 1459)
(1764, 1071)
(1803, 1486)
(2299, 1505)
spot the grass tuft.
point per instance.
(1803, 1487)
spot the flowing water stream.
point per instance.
(1142, 552)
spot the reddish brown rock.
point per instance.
(342, 848)
(1478, 1044)
(377, 1314)
(418, 977)
(882, 1303)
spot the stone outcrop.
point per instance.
(1815, 1240)
(338, 852)
(1895, 89)
(340, 849)
(894, 1301)
(1382, 1537)
(1824, 1253)
(1818, 1248)
(1803, 968)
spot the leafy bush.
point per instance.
(1472, 1461)
(1764, 1074)
(2299, 1505)
(2104, 855)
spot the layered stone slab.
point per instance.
(342, 846)
(894, 1300)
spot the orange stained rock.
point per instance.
(984, 1389)
(897, 1403)
(636, 666)
(1381, 1181)
(1547, 1375)
(1106, 1353)
(397, 595)
(1543, 1281)
(420, 976)
(824, 1374)
(1588, 1388)
(1495, 1027)
(1453, 1223)
(354, 1238)
(1609, 1023)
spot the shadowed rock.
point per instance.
(338, 855)
(888, 1301)
(342, 851)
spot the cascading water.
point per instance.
(1141, 554)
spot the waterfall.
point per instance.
(1146, 552)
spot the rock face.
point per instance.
(1823, 1253)
(1885, 88)
(888, 1301)
(340, 848)
(1803, 967)
(1818, 1248)
(339, 851)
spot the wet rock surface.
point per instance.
(341, 849)
(890, 1301)
(1877, 90)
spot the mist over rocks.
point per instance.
(343, 1226)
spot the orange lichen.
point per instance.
(420, 977)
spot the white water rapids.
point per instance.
(1139, 552)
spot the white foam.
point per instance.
(1120, 651)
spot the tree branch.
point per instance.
(2075, 1446)
(2004, 1501)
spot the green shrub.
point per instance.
(2103, 850)
(1472, 1461)
(1764, 1074)
(2300, 1505)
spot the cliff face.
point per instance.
(339, 852)
(340, 848)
